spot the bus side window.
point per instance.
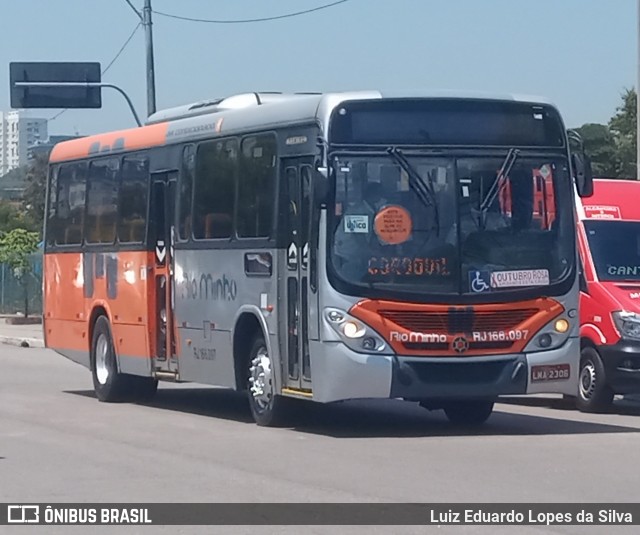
(214, 189)
(69, 204)
(185, 194)
(134, 189)
(256, 186)
(102, 201)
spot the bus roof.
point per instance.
(241, 112)
(612, 199)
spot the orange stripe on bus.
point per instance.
(131, 139)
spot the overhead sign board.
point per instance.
(55, 85)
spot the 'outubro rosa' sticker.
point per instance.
(522, 277)
(393, 224)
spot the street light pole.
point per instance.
(151, 77)
(638, 98)
(145, 19)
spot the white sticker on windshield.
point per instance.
(358, 224)
(523, 277)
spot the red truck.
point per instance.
(609, 245)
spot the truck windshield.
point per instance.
(384, 236)
(615, 249)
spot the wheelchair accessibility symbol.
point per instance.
(479, 281)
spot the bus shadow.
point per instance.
(210, 402)
(621, 407)
(369, 418)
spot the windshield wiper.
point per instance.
(424, 190)
(498, 184)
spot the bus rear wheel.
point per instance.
(468, 412)
(267, 408)
(594, 394)
(108, 383)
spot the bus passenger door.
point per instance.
(297, 186)
(161, 238)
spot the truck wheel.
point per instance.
(468, 412)
(108, 384)
(267, 408)
(594, 394)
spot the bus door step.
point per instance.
(164, 375)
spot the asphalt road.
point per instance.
(195, 444)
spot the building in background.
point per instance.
(44, 147)
(18, 132)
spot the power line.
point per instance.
(241, 21)
(109, 65)
(134, 9)
(121, 49)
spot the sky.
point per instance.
(579, 53)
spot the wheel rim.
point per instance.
(588, 379)
(102, 351)
(260, 379)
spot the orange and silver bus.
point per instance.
(324, 247)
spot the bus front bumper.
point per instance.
(339, 374)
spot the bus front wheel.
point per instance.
(594, 394)
(468, 412)
(267, 408)
(108, 383)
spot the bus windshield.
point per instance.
(476, 230)
(615, 249)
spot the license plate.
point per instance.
(556, 372)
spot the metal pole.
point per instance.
(83, 84)
(2, 298)
(638, 99)
(151, 80)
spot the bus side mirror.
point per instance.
(583, 176)
(321, 185)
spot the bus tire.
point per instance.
(594, 394)
(108, 383)
(267, 408)
(142, 388)
(468, 412)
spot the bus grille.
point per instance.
(445, 346)
(458, 320)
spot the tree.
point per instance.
(623, 129)
(16, 246)
(600, 146)
(11, 218)
(35, 190)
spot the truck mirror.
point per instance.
(321, 185)
(582, 175)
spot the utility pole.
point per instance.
(151, 75)
(145, 19)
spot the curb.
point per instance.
(21, 342)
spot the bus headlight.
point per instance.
(561, 326)
(551, 336)
(353, 329)
(627, 323)
(355, 334)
